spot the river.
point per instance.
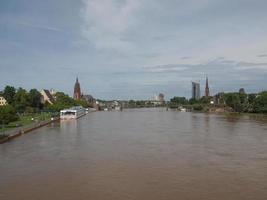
(139, 154)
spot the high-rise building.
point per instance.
(207, 90)
(77, 90)
(195, 90)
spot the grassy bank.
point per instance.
(24, 120)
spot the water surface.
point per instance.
(149, 154)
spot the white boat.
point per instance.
(72, 113)
(183, 110)
(117, 108)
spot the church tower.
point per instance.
(77, 90)
(207, 90)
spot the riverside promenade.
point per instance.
(14, 133)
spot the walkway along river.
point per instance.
(149, 154)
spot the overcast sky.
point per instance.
(133, 49)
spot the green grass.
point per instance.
(25, 120)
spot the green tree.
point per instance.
(179, 100)
(62, 101)
(140, 103)
(82, 103)
(132, 104)
(193, 101)
(35, 98)
(9, 93)
(198, 107)
(233, 100)
(260, 103)
(205, 100)
(251, 98)
(21, 100)
(243, 98)
(7, 114)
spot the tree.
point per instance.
(179, 100)
(260, 103)
(205, 100)
(243, 98)
(35, 98)
(251, 98)
(233, 100)
(62, 101)
(82, 103)
(198, 107)
(9, 93)
(132, 104)
(140, 104)
(21, 100)
(7, 114)
(193, 101)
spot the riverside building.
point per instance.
(3, 101)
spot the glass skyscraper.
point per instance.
(195, 90)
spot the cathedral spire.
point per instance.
(77, 90)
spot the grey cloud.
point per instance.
(185, 57)
(262, 55)
(148, 55)
(40, 26)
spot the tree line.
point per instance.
(235, 101)
(20, 101)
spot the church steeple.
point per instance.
(77, 90)
(207, 90)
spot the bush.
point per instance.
(260, 103)
(8, 114)
(198, 107)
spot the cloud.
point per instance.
(215, 67)
(251, 66)
(185, 57)
(167, 68)
(106, 22)
(39, 26)
(262, 55)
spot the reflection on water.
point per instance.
(139, 154)
(68, 125)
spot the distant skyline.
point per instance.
(134, 49)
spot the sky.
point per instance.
(134, 49)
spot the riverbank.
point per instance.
(26, 119)
(14, 133)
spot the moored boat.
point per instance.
(72, 113)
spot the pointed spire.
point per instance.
(77, 90)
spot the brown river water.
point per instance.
(142, 154)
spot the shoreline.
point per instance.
(26, 129)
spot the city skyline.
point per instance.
(134, 49)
